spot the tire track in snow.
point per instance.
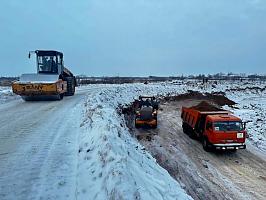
(38, 148)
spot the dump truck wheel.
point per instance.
(191, 134)
(206, 144)
(70, 86)
(184, 128)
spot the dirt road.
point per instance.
(38, 148)
(215, 175)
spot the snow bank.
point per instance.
(112, 164)
(6, 94)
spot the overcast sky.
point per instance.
(136, 37)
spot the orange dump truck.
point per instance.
(217, 128)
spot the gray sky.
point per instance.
(136, 37)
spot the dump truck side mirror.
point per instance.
(245, 124)
(29, 55)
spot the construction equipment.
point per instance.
(52, 81)
(146, 112)
(217, 128)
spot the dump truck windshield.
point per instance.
(47, 64)
(228, 126)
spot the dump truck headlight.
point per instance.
(240, 135)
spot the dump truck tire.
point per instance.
(205, 144)
(184, 128)
(70, 86)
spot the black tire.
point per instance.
(61, 96)
(206, 145)
(70, 86)
(185, 129)
(233, 150)
(136, 125)
(191, 134)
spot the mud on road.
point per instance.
(213, 175)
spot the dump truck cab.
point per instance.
(224, 132)
(215, 127)
(52, 80)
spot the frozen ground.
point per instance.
(249, 96)
(80, 147)
(112, 164)
(6, 94)
(204, 175)
(77, 148)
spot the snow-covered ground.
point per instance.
(110, 163)
(249, 96)
(108, 137)
(6, 94)
(77, 148)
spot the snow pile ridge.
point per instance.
(112, 165)
(6, 94)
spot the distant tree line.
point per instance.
(7, 81)
(120, 80)
(82, 79)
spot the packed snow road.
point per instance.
(214, 175)
(38, 147)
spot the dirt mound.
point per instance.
(205, 106)
(218, 98)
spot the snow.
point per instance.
(6, 94)
(112, 164)
(250, 97)
(38, 78)
(108, 163)
(109, 157)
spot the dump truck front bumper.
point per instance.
(230, 146)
